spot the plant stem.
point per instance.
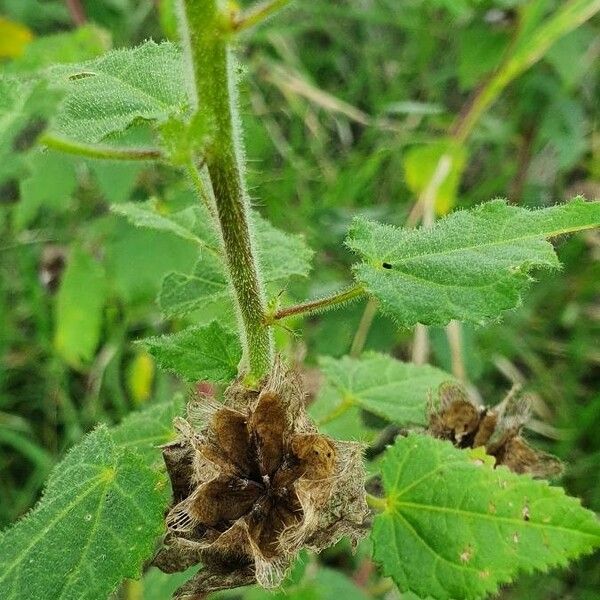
(525, 50)
(376, 503)
(76, 11)
(210, 76)
(360, 337)
(105, 152)
(257, 14)
(200, 187)
(320, 305)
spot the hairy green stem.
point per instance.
(102, 152)
(204, 31)
(316, 306)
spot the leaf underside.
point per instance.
(456, 528)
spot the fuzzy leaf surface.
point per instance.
(378, 383)
(106, 95)
(192, 223)
(280, 255)
(453, 528)
(469, 266)
(96, 524)
(198, 353)
(143, 431)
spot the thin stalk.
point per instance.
(76, 11)
(360, 337)
(317, 306)
(194, 174)
(102, 152)
(257, 14)
(522, 54)
(454, 336)
(376, 503)
(211, 78)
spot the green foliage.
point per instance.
(182, 294)
(49, 186)
(324, 584)
(198, 353)
(421, 165)
(192, 223)
(84, 43)
(97, 523)
(280, 257)
(107, 95)
(470, 266)
(24, 105)
(455, 528)
(379, 384)
(144, 431)
(79, 308)
(332, 131)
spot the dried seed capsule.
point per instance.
(256, 485)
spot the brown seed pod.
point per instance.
(255, 485)
(459, 420)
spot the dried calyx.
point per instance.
(255, 485)
(457, 419)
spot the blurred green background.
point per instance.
(346, 105)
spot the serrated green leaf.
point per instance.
(136, 271)
(79, 308)
(96, 524)
(105, 96)
(470, 266)
(280, 255)
(198, 353)
(182, 294)
(192, 223)
(378, 383)
(340, 417)
(145, 430)
(452, 529)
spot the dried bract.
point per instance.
(255, 485)
(458, 419)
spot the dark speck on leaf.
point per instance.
(81, 75)
(386, 265)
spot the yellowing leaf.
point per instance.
(140, 377)
(14, 37)
(436, 167)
